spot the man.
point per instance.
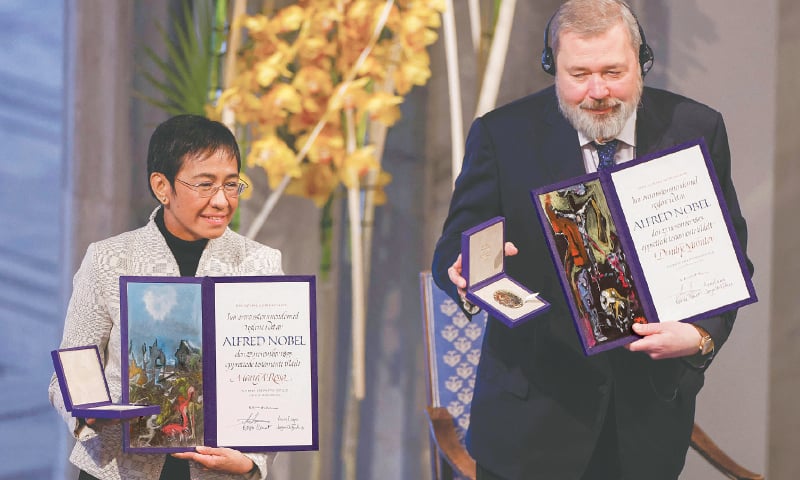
(541, 408)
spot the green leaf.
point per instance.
(183, 75)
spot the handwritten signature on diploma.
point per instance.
(687, 293)
(289, 423)
(252, 422)
(284, 422)
(707, 286)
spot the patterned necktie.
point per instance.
(606, 151)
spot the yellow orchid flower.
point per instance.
(276, 105)
(357, 164)
(328, 148)
(313, 81)
(275, 157)
(362, 12)
(317, 50)
(350, 95)
(272, 67)
(256, 25)
(375, 66)
(311, 113)
(317, 182)
(383, 179)
(289, 19)
(325, 19)
(383, 107)
(412, 71)
(429, 11)
(243, 103)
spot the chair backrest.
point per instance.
(453, 345)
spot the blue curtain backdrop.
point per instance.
(31, 233)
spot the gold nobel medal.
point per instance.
(508, 299)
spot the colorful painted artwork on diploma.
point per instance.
(164, 331)
(593, 261)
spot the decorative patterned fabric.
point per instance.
(93, 317)
(455, 350)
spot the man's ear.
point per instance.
(160, 187)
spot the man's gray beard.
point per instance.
(603, 127)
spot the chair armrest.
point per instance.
(709, 450)
(447, 442)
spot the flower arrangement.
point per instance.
(317, 84)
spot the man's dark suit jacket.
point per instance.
(539, 402)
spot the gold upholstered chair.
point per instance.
(453, 346)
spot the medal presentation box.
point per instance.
(231, 360)
(650, 240)
(84, 388)
(488, 286)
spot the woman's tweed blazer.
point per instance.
(93, 318)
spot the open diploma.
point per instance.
(231, 361)
(650, 241)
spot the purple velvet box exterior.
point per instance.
(87, 410)
(472, 287)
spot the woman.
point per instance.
(193, 167)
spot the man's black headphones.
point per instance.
(646, 57)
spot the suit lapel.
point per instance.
(561, 150)
(652, 133)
